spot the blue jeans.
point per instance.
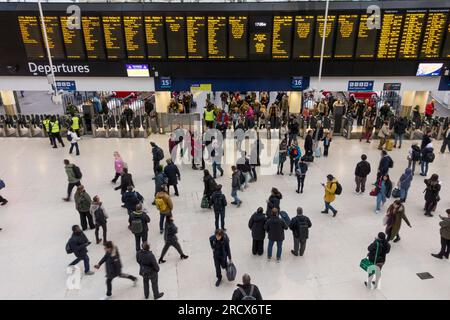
(424, 167)
(72, 145)
(329, 207)
(85, 259)
(279, 248)
(234, 195)
(381, 198)
(398, 137)
(161, 221)
(403, 194)
(216, 166)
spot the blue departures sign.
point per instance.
(66, 85)
(360, 85)
(165, 83)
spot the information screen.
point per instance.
(260, 37)
(73, 41)
(282, 37)
(112, 29)
(391, 29)
(134, 36)
(329, 36)
(30, 31)
(446, 47)
(303, 37)
(237, 37)
(93, 37)
(176, 37)
(434, 34)
(217, 37)
(154, 36)
(54, 37)
(345, 37)
(366, 40)
(412, 34)
(196, 37)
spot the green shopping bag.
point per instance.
(205, 202)
(366, 263)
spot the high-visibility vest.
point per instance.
(55, 126)
(75, 123)
(209, 115)
(46, 123)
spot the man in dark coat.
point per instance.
(275, 227)
(220, 245)
(113, 267)
(171, 239)
(246, 290)
(274, 201)
(256, 224)
(138, 214)
(126, 180)
(362, 170)
(131, 199)
(78, 244)
(426, 139)
(385, 164)
(400, 126)
(378, 258)
(173, 175)
(446, 140)
(148, 269)
(445, 236)
(219, 202)
(210, 185)
(300, 231)
(156, 156)
(309, 143)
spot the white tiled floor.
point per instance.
(37, 225)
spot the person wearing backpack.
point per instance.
(158, 155)
(256, 224)
(275, 227)
(235, 185)
(246, 290)
(160, 180)
(73, 177)
(243, 165)
(131, 199)
(331, 189)
(427, 157)
(3, 201)
(73, 138)
(300, 172)
(138, 225)
(83, 206)
(273, 201)
(385, 164)
(219, 202)
(164, 205)
(433, 187)
(378, 250)
(414, 156)
(111, 259)
(220, 245)
(98, 211)
(300, 231)
(404, 183)
(209, 184)
(362, 170)
(77, 245)
(148, 269)
(171, 239)
(294, 154)
(126, 180)
(173, 176)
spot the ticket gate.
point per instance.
(347, 126)
(99, 129)
(11, 126)
(112, 126)
(2, 126)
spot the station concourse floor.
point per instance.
(37, 224)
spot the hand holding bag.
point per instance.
(366, 263)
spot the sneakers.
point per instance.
(218, 282)
(377, 211)
(159, 295)
(397, 239)
(161, 261)
(89, 273)
(334, 214)
(4, 202)
(182, 257)
(437, 256)
(297, 191)
(324, 211)
(294, 253)
(234, 202)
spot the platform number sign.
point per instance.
(299, 83)
(66, 85)
(360, 85)
(165, 83)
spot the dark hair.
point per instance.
(145, 246)
(246, 279)
(109, 245)
(206, 172)
(274, 211)
(233, 168)
(125, 170)
(219, 187)
(74, 227)
(66, 162)
(96, 198)
(364, 157)
(274, 190)
(219, 232)
(130, 188)
(383, 152)
(152, 144)
(434, 177)
(448, 211)
(169, 215)
(159, 169)
(330, 177)
(261, 210)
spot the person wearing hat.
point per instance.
(378, 257)
(445, 237)
(330, 194)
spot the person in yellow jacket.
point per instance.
(55, 131)
(330, 194)
(164, 205)
(46, 125)
(209, 116)
(75, 126)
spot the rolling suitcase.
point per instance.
(389, 145)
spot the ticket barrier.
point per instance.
(137, 129)
(347, 126)
(11, 126)
(99, 129)
(36, 126)
(23, 125)
(439, 127)
(124, 128)
(2, 126)
(112, 126)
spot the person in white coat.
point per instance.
(73, 138)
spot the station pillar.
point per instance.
(411, 99)
(162, 100)
(9, 102)
(295, 101)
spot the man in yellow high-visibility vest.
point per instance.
(55, 131)
(46, 127)
(209, 117)
(76, 125)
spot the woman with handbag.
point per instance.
(383, 190)
(432, 194)
(394, 216)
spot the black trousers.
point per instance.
(300, 183)
(167, 245)
(154, 280)
(117, 176)
(174, 188)
(221, 215)
(70, 187)
(445, 144)
(97, 229)
(255, 177)
(138, 237)
(293, 162)
(57, 136)
(325, 151)
(155, 166)
(85, 218)
(445, 247)
(219, 263)
(77, 149)
(258, 247)
(109, 282)
(2, 199)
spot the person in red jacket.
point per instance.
(429, 109)
(222, 121)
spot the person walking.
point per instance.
(445, 236)
(138, 225)
(433, 187)
(429, 110)
(378, 250)
(77, 245)
(164, 205)
(385, 164)
(294, 154)
(300, 231)
(394, 216)
(98, 211)
(273, 201)
(126, 180)
(256, 224)
(219, 202)
(111, 259)
(327, 143)
(131, 198)
(173, 176)
(83, 205)
(75, 125)
(73, 177)
(209, 184)
(55, 129)
(330, 194)
(220, 245)
(119, 165)
(275, 227)
(404, 183)
(160, 180)
(235, 186)
(246, 290)
(383, 191)
(3, 201)
(427, 157)
(243, 165)
(414, 155)
(216, 156)
(362, 170)
(301, 175)
(446, 139)
(170, 239)
(157, 156)
(309, 143)
(400, 126)
(148, 269)
(73, 138)
(282, 153)
(383, 134)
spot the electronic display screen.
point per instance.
(73, 40)
(54, 37)
(446, 47)
(30, 31)
(113, 32)
(176, 37)
(154, 37)
(412, 34)
(366, 41)
(345, 36)
(329, 36)
(260, 30)
(196, 37)
(134, 36)
(282, 37)
(237, 37)
(217, 37)
(93, 37)
(434, 34)
(391, 29)
(303, 37)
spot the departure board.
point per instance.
(113, 31)
(446, 47)
(329, 36)
(30, 31)
(345, 37)
(176, 37)
(73, 41)
(260, 31)
(196, 37)
(154, 36)
(93, 37)
(282, 37)
(303, 37)
(391, 28)
(134, 36)
(434, 34)
(217, 37)
(411, 34)
(367, 39)
(54, 37)
(237, 37)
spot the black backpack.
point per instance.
(246, 296)
(68, 248)
(159, 154)
(391, 163)
(77, 172)
(430, 157)
(338, 188)
(415, 154)
(137, 225)
(69, 137)
(241, 178)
